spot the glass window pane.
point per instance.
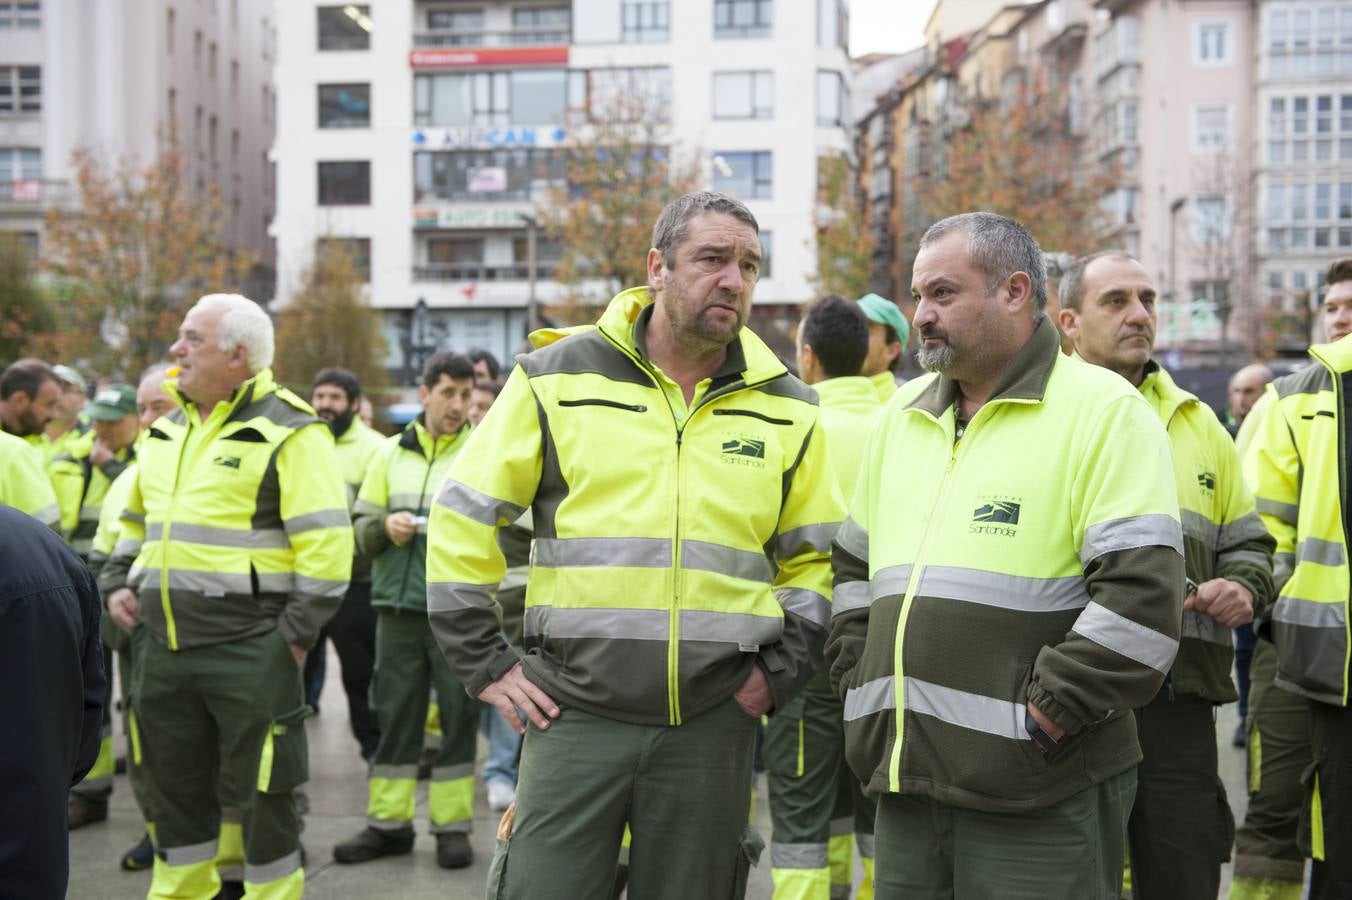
(344, 27)
(344, 183)
(344, 106)
(538, 96)
(733, 95)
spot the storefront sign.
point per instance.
(487, 57)
(495, 216)
(473, 136)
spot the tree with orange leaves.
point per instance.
(130, 256)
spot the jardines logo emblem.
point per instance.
(996, 515)
(739, 450)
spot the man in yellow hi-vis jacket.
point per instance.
(236, 548)
(1298, 467)
(683, 507)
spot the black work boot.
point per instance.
(453, 850)
(140, 857)
(372, 843)
(81, 812)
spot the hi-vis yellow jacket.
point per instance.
(1036, 559)
(1297, 465)
(236, 524)
(81, 487)
(23, 483)
(1222, 534)
(668, 559)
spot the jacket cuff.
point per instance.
(498, 666)
(1053, 709)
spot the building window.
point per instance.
(1217, 293)
(744, 95)
(748, 176)
(345, 183)
(547, 256)
(767, 253)
(833, 24)
(1211, 43)
(1210, 127)
(20, 90)
(743, 18)
(345, 106)
(541, 25)
(485, 175)
(344, 27)
(520, 97)
(627, 94)
(832, 101)
(358, 250)
(454, 28)
(1304, 42)
(644, 22)
(20, 14)
(20, 164)
(1210, 219)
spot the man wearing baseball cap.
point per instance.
(70, 425)
(81, 475)
(887, 334)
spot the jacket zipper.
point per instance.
(1341, 428)
(408, 561)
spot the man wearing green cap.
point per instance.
(887, 334)
(71, 423)
(81, 476)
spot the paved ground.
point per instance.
(338, 802)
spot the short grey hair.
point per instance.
(157, 371)
(243, 323)
(1071, 289)
(674, 222)
(999, 247)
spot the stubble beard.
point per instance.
(939, 360)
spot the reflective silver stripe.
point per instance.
(853, 539)
(1283, 564)
(445, 827)
(997, 589)
(324, 518)
(48, 515)
(966, 710)
(212, 536)
(1131, 639)
(891, 581)
(514, 577)
(849, 596)
(129, 516)
(405, 501)
(799, 856)
(318, 587)
(476, 505)
(1316, 550)
(394, 773)
(816, 537)
(805, 604)
(189, 855)
(1200, 528)
(708, 557)
(842, 826)
(1154, 530)
(367, 508)
(869, 698)
(1204, 628)
(451, 596)
(536, 621)
(278, 868)
(646, 553)
(208, 584)
(127, 547)
(1246, 528)
(865, 844)
(1254, 557)
(630, 624)
(1287, 512)
(452, 773)
(91, 514)
(1309, 613)
(389, 824)
(730, 628)
(276, 582)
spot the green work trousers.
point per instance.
(231, 712)
(684, 792)
(408, 665)
(1073, 849)
(1181, 827)
(1326, 826)
(1268, 860)
(817, 806)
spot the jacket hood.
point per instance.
(1164, 394)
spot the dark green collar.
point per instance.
(734, 363)
(1025, 378)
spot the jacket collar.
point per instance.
(257, 387)
(852, 390)
(417, 438)
(1163, 392)
(1025, 379)
(1336, 356)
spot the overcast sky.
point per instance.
(887, 26)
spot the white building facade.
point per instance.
(425, 132)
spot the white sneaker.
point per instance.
(501, 794)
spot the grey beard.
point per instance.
(935, 360)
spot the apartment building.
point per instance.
(427, 134)
(118, 77)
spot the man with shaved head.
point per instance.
(1246, 387)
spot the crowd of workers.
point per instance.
(985, 617)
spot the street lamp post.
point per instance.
(1174, 209)
(532, 302)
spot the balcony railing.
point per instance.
(478, 38)
(475, 271)
(33, 194)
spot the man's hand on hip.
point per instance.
(298, 652)
(1228, 602)
(754, 696)
(514, 690)
(124, 607)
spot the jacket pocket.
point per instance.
(784, 737)
(748, 855)
(285, 762)
(497, 870)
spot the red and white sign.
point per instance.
(487, 57)
(26, 190)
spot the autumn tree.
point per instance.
(844, 241)
(622, 169)
(27, 326)
(131, 255)
(329, 322)
(1020, 158)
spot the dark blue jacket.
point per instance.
(51, 700)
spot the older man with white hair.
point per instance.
(236, 548)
